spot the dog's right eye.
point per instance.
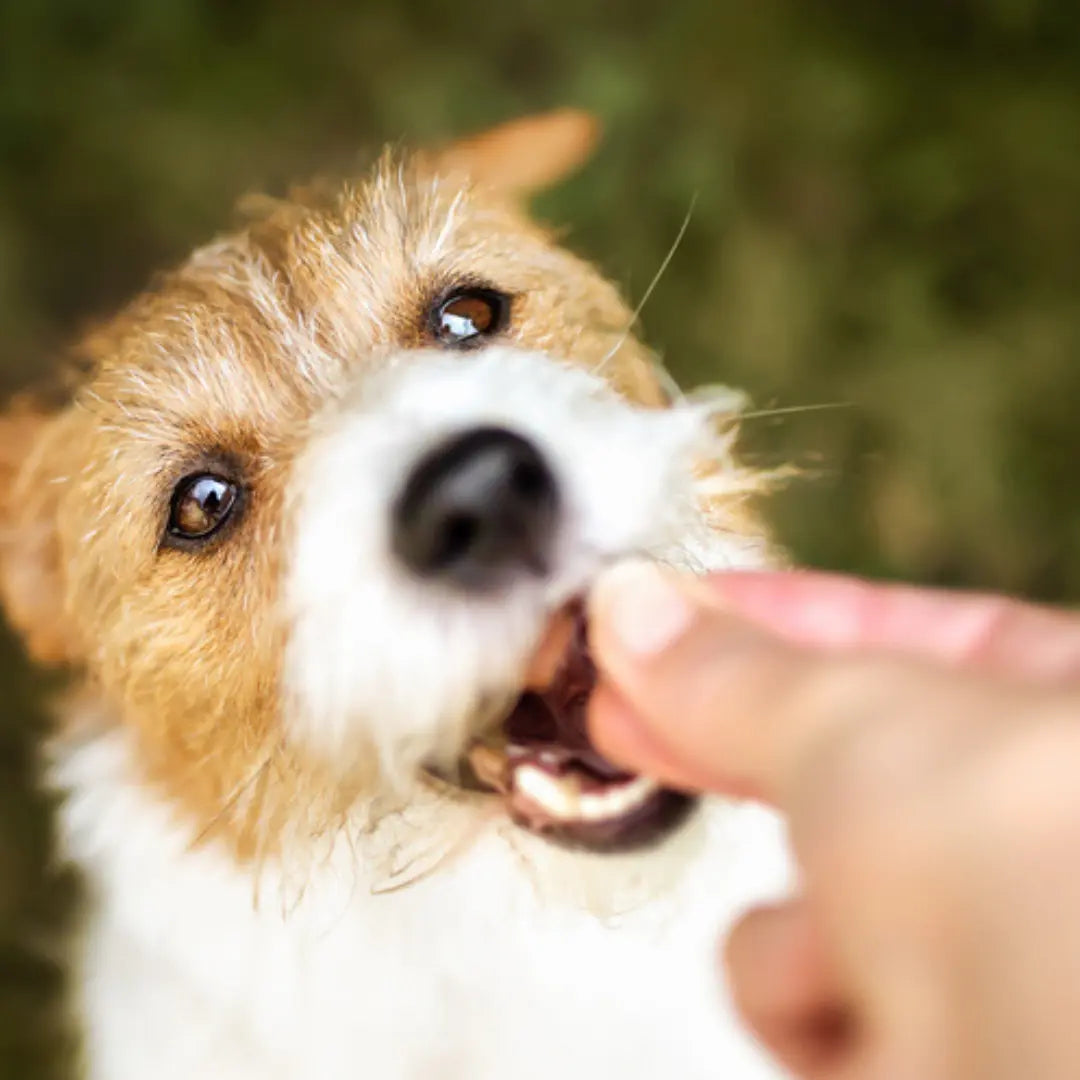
(201, 505)
(466, 316)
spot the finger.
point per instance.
(839, 612)
(710, 695)
(781, 984)
(625, 738)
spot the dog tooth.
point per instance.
(489, 765)
(618, 800)
(563, 799)
(557, 796)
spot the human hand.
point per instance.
(925, 748)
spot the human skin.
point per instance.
(925, 749)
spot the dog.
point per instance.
(310, 526)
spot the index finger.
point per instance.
(839, 612)
(702, 698)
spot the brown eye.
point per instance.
(468, 316)
(200, 506)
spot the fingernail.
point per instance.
(641, 606)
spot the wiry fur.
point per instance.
(277, 889)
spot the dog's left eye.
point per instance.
(200, 506)
(467, 316)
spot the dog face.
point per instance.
(316, 496)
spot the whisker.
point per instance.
(234, 798)
(652, 285)
(759, 414)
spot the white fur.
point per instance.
(499, 966)
(434, 940)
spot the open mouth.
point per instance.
(551, 778)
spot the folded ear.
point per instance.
(527, 155)
(30, 580)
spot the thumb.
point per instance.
(700, 697)
(675, 677)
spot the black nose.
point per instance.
(477, 509)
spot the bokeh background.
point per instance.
(886, 224)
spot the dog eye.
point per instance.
(468, 316)
(200, 506)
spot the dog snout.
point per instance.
(477, 510)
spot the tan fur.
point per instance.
(525, 155)
(31, 584)
(232, 356)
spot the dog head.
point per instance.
(317, 495)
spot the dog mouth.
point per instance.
(551, 778)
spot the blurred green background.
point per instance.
(887, 222)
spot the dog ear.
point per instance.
(30, 580)
(525, 156)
